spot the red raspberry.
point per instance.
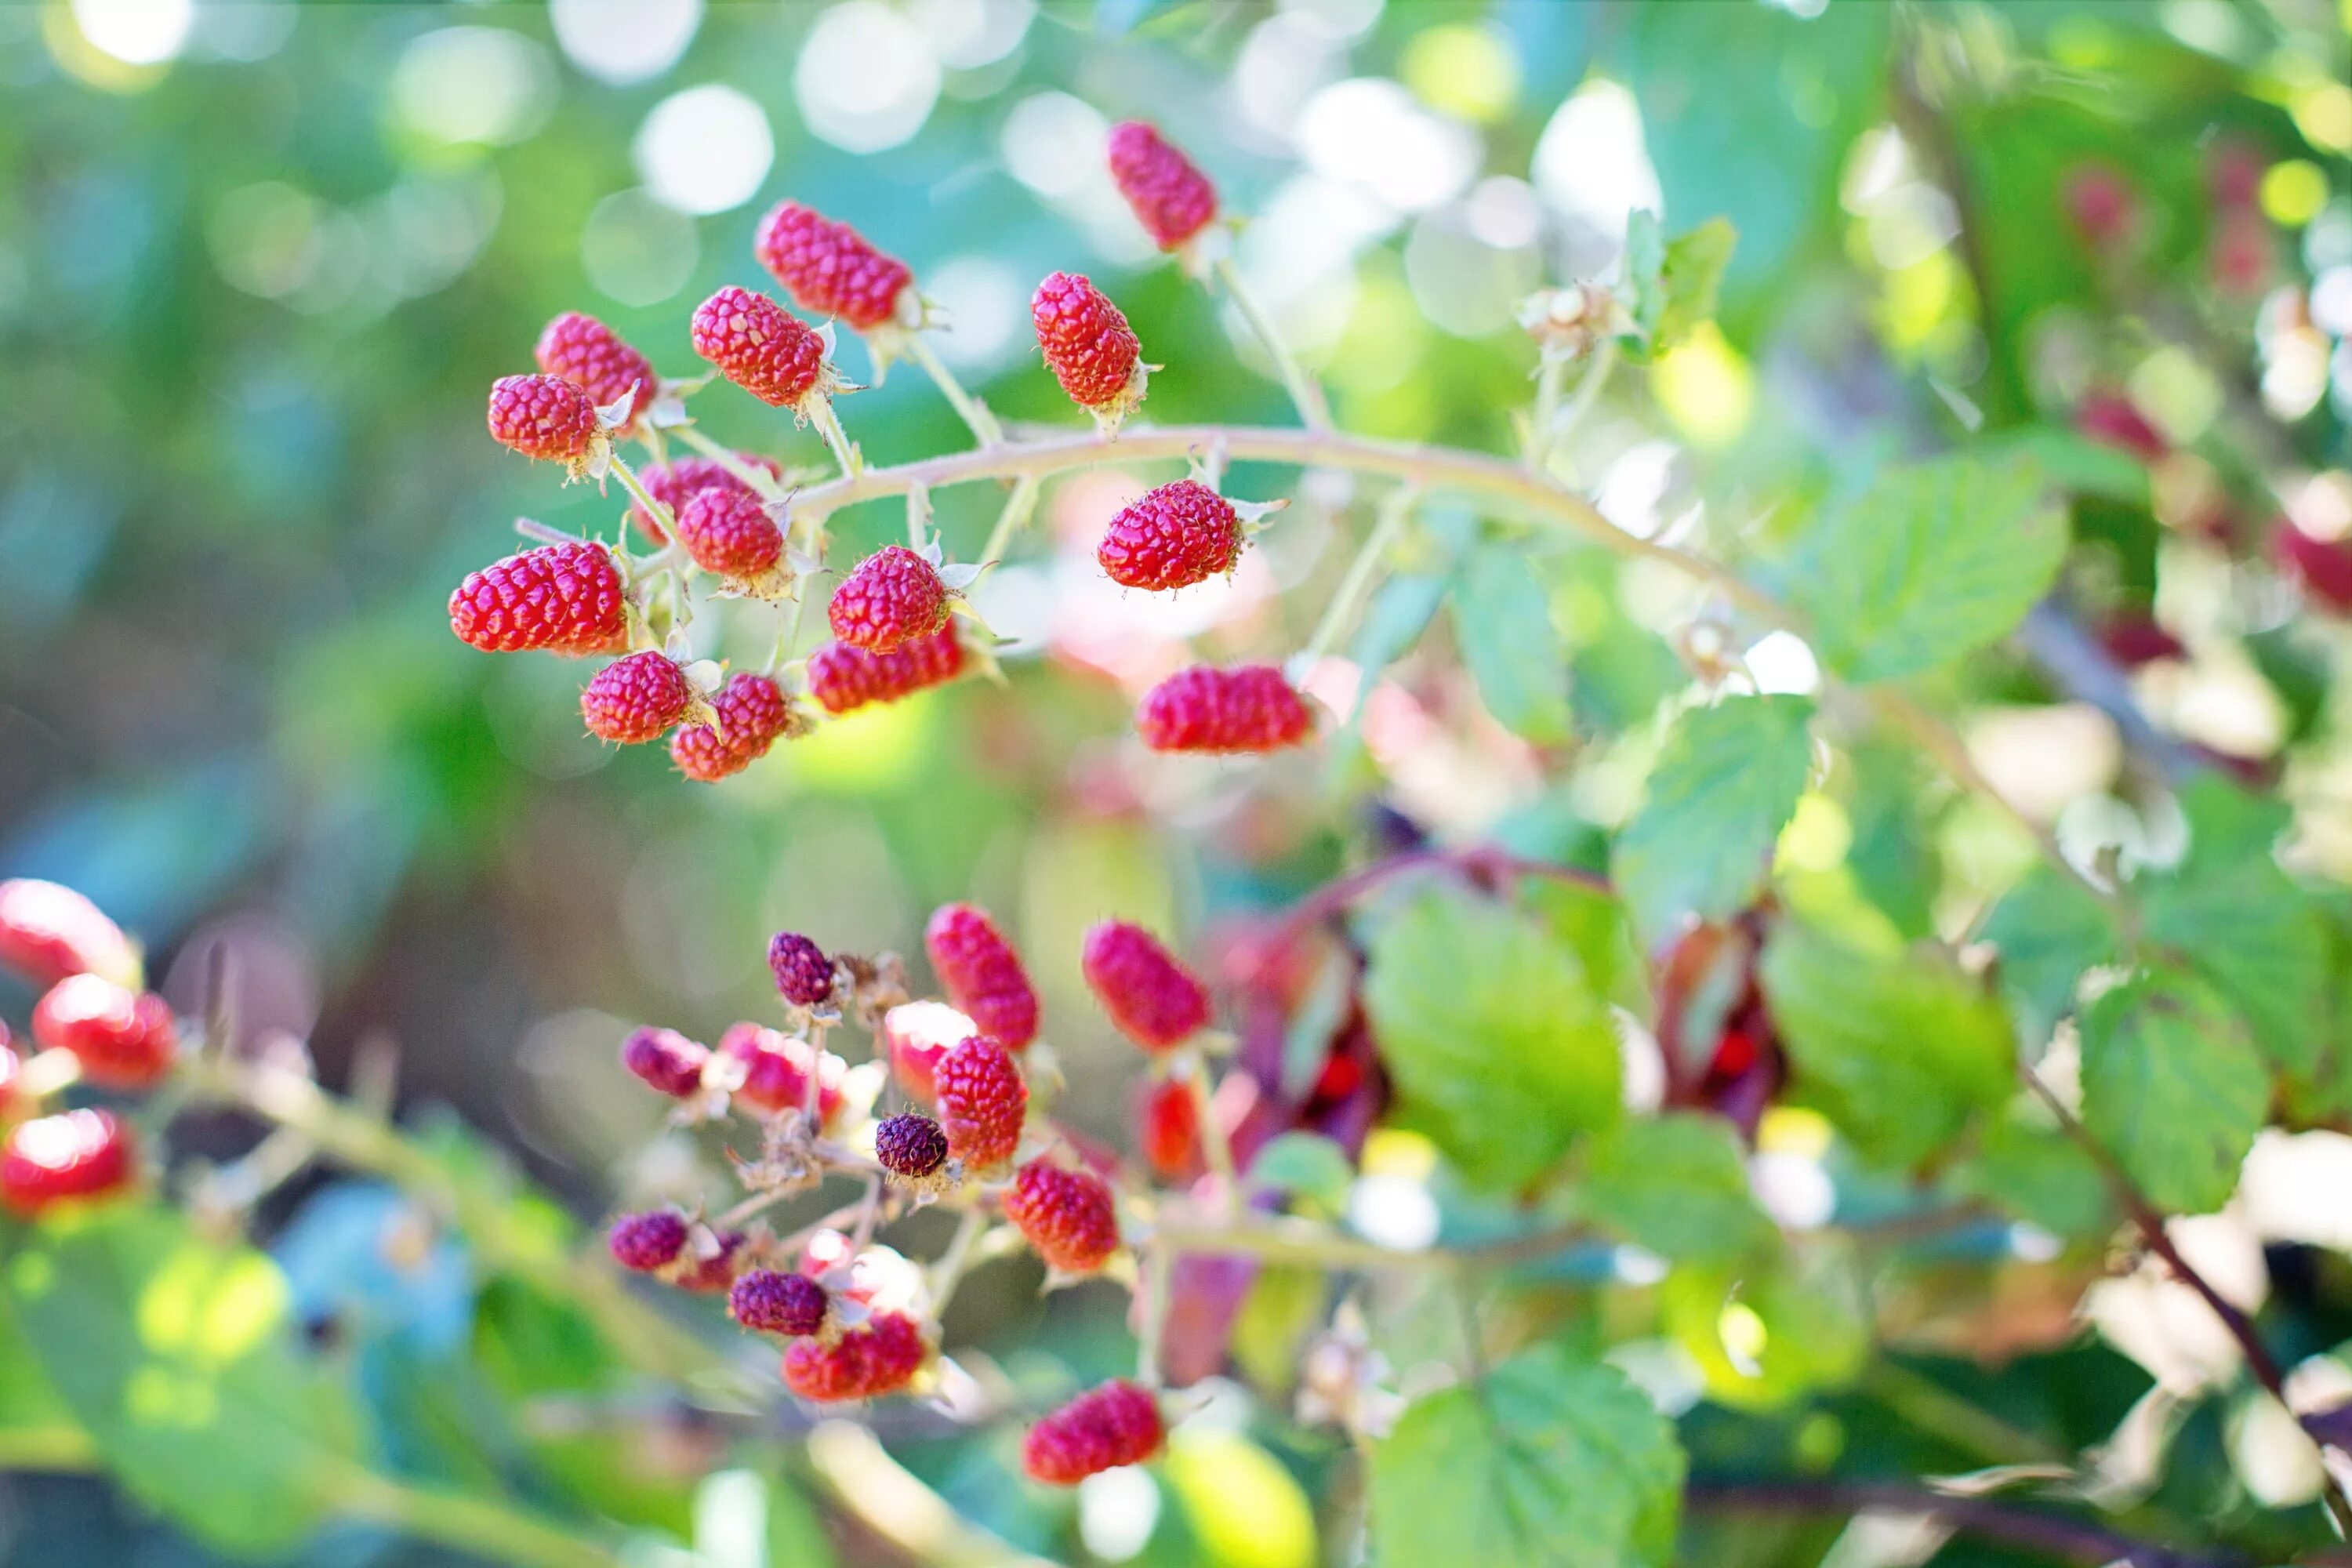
(666, 1061)
(2323, 565)
(1178, 535)
(676, 482)
(893, 597)
(716, 1272)
(124, 1039)
(776, 1068)
(1067, 1216)
(880, 1357)
(647, 1243)
(1101, 1429)
(982, 1101)
(1170, 1130)
(48, 932)
(919, 1034)
(982, 974)
(1155, 1000)
(760, 346)
(1172, 199)
(591, 355)
(1089, 345)
(565, 598)
(2134, 638)
(753, 712)
(1247, 709)
(543, 416)
(804, 974)
(844, 678)
(698, 752)
(77, 1154)
(829, 268)
(2112, 419)
(637, 698)
(730, 532)
(910, 1146)
(770, 1301)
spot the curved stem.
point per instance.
(974, 413)
(1394, 509)
(1304, 393)
(2058, 1536)
(1018, 507)
(654, 509)
(836, 440)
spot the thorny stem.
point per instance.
(974, 413)
(1304, 393)
(828, 425)
(1018, 507)
(1394, 509)
(532, 529)
(654, 509)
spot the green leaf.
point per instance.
(2048, 930)
(1591, 920)
(1283, 1305)
(1689, 276)
(1550, 1461)
(1724, 786)
(172, 1352)
(1305, 1165)
(1897, 1049)
(1676, 1185)
(2025, 1166)
(1932, 562)
(2173, 1088)
(1765, 1338)
(1497, 1042)
(1502, 619)
(1645, 268)
(1400, 611)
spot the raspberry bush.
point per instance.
(1778, 1132)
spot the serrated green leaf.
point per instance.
(2024, 1165)
(1400, 611)
(1688, 276)
(1897, 1049)
(1502, 619)
(1550, 1463)
(2047, 931)
(2173, 1088)
(1931, 562)
(1724, 786)
(1497, 1041)
(1592, 920)
(1676, 1185)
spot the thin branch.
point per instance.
(2060, 1537)
(971, 410)
(1394, 512)
(1307, 396)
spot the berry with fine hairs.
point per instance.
(1155, 1001)
(647, 1243)
(770, 1301)
(1089, 346)
(1170, 198)
(591, 356)
(982, 974)
(775, 1068)
(919, 1034)
(760, 346)
(982, 1103)
(715, 1272)
(730, 532)
(753, 713)
(804, 974)
(665, 1062)
(1169, 1131)
(48, 931)
(123, 1038)
(76, 1154)
(560, 598)
(1179, 534)
(543, 416)
(1250, 708)
(680, 480)
(893, 597)
(1116, 1424)
(910, 1146)
(1069, 1215)
(844, 678)
(637, 698)
(829, 268)
(881, 1356)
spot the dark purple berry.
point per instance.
(804, 974)
(646, 1242)
(667, 1060)
(910, 1146)
(774, 1302)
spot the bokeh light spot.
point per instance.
(623, 40)
(867, 78)
(705, 150)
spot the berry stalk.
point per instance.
(971, 410)
(1393, 512)
(1308, 397)
(836, 440)
(1019, 507)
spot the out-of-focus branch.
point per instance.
(2059, 1537)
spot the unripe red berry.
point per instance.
(75, 1154)
(563, 598)
(1103, 1428)
(982, 974)
(1069, 1215)
(666, 1061)
(775, 1069)
(982, 1103)
(1169, 1131)
(829, 268)
(770, 1301)
(919, 1034)
(48, 932)
(1089, 345)
(844, 678)
(879, 1357)
(2111, 419)
(910, 1146)
(804, 974)
(715, 1272)
(1250, 708)
(753, 713)
(543, 416)
(123, 1038)
(893, 597)
(647, 1243)
(1170, 198)
(1155, 1001)
(637, 698)
(1179, 534)
(760, 346)
(593, 357)
(676, 482)
(730, 532)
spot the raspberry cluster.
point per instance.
(894, 596)
(591, 356)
